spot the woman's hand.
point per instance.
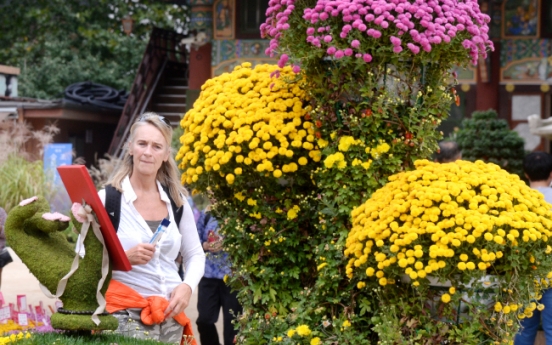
(180, 297)
(213, 247)
(140, 254)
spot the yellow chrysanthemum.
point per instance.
(248, 122)
(303, 330)
(449, 218)
(315, 341)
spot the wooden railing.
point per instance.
(163, 47)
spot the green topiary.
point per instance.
(41, 245)
(486, 137)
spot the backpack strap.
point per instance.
(113, 205)
(206, 219)
(177, 211)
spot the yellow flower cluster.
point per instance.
(525, 311)
(380, 149)
(301, 330)
(292, 212)
(14, 337)
(248, 121)
(454, 216)
(338, 160)
(11, 326)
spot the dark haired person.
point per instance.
(213, 293)
(448, 152)
(5, 257)
(538, 169)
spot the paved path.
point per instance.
(17, 280)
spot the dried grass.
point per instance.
(21, 174)
(102, 170)
(17, 138)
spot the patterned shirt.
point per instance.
(217, 265)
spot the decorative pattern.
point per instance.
(202, 20)
(224, 21)
(226, 54)
(200, 2)
(526, 61)
(466, 75)
(512, 50)
(521, 18)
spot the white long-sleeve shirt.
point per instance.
(160, 275)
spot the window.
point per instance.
(250, 14)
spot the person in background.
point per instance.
(5, 257)
(538, 170)
(448, 152)
(213, 293)
(153, 281)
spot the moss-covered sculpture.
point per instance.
(36, 237)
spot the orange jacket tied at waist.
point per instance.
(120, 296)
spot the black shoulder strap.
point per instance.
(113, 205)
(177, 211)
(206, 219)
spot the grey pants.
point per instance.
(130, 325)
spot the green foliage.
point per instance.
(20, 179)
(57, 43)
(488, 138)
(175, 143)
(62, 65)
(67, 338)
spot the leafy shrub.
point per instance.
(486, 137)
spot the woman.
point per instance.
(147, 165)
(5, 257)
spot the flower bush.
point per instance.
(380, 82)
(362, 88)
(390, 62)
(250, 144)
(247, 124)
(456, 222)
(375, 30)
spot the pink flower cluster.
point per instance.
(416, 25)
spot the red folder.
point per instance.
(80, 187)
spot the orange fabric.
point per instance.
(120, 296)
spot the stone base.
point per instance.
(83, 322)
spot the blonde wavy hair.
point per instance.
(168, 174)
